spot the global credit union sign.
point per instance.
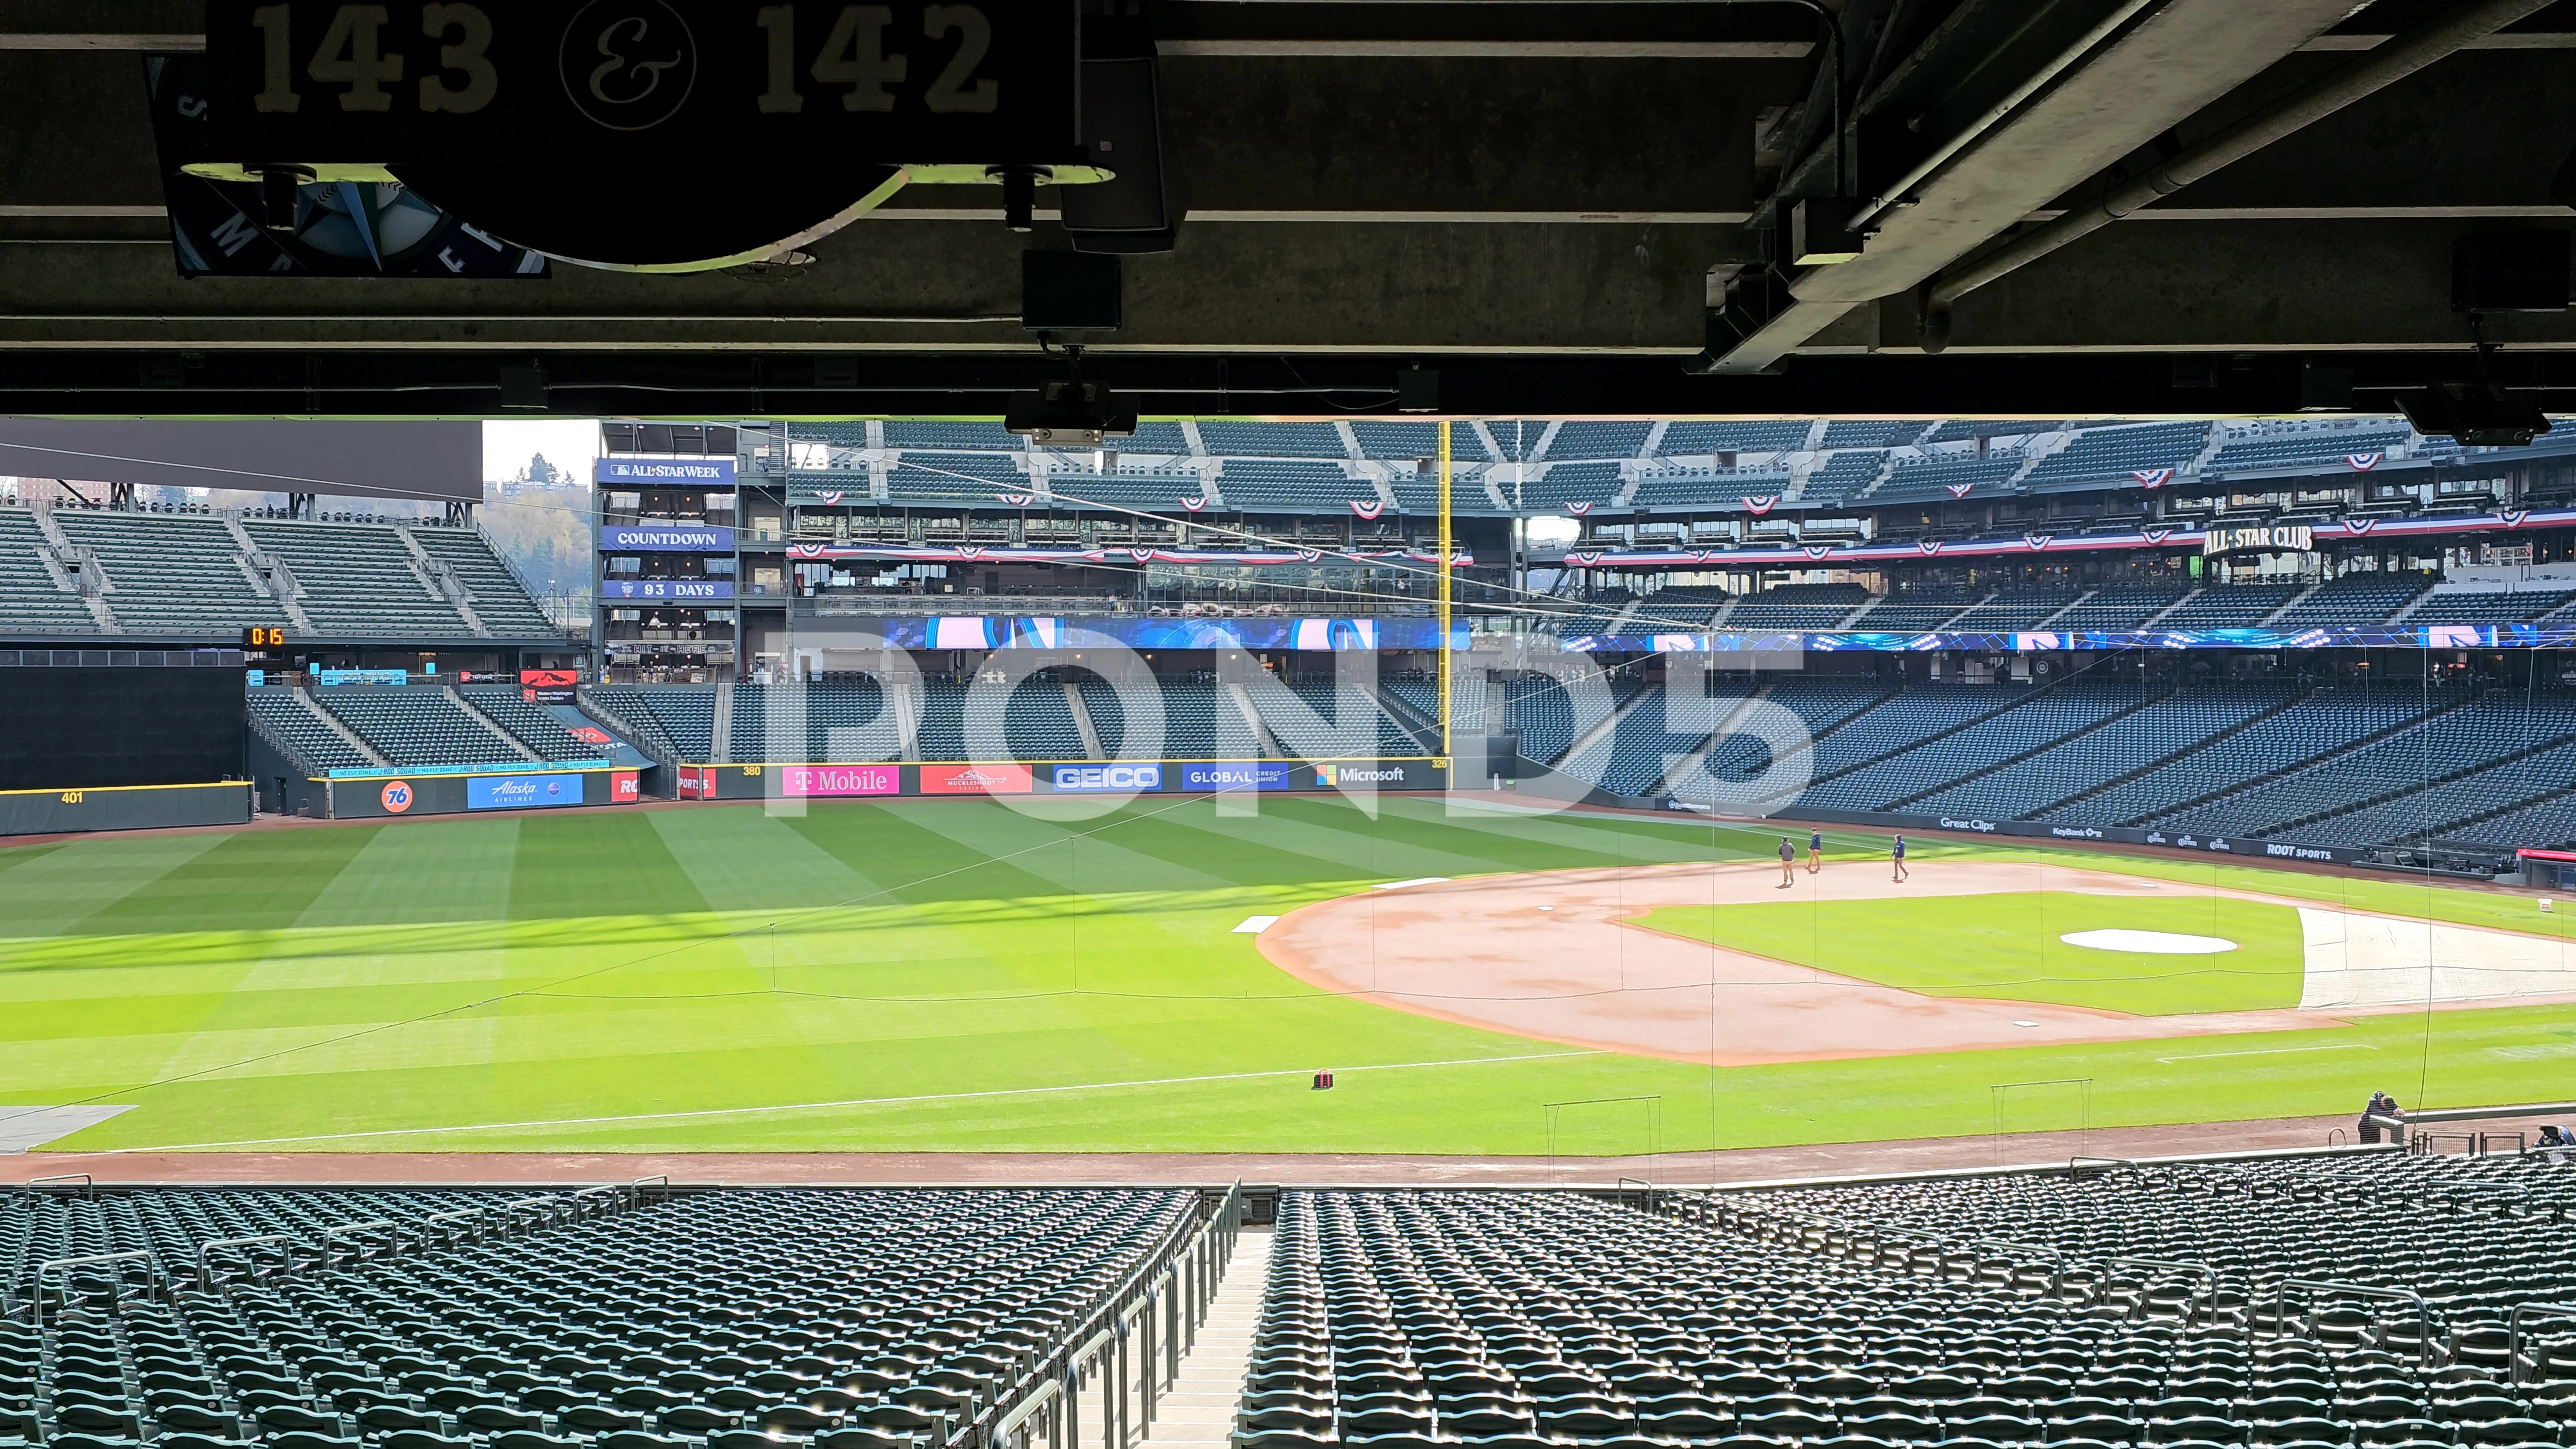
(1246, 776)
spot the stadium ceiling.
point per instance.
(1557, 206)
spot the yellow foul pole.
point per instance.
(1447, 757)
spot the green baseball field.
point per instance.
(954, 975)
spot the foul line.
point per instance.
(2271, 1052)
(818, 1106)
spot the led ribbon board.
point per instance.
(656, 135)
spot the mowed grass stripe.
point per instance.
(1292, 838)
(458, 873)
(84, 883)
(255, 881)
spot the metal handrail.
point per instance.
(205, 1273)
(2423, 1311)
(1186, 1266)
(37, 1288)
(83, 1178)
(510, 1210)
(2513, 1332)
(420, 1230)
(337, 1231)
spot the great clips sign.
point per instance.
(665, 538)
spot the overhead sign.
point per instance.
(666, 472)
(553, 686)
(2277, 538)
(665, 538)
(666, 588)
(544, 121)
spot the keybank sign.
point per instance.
(665, 538)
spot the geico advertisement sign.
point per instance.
(977, 780)
(824, 782)
(1088, 779)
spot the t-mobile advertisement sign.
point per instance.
(839, 782)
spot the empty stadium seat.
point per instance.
(313, 743)
(679, 719)
(416, 725)
(852, 1319)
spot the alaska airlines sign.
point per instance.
(547, 121)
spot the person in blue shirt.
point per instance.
(1815, 851)
(1897, 853)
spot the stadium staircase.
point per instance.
(1599, 736)
(2188, 595)
(302, 731)
(1693, 764)
(2036, 750)
(269, 574)
(2292, 700)
(476, 713)
(1919, 741)
(440, 578)
(1424, 728)
(2292, 602)
(637, 728)
(1264, 746)
(1082, 725)
(2241, 785)
(1199, 1412)
(720, 745)
(76, 570)
(2067, 608)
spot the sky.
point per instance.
(568, 443)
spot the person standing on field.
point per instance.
(1815, 851)
(1897, 853)
(1788, 862)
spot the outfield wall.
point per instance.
(123, 807)
(2241, 847)
(1060, 777)
(498, 792)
